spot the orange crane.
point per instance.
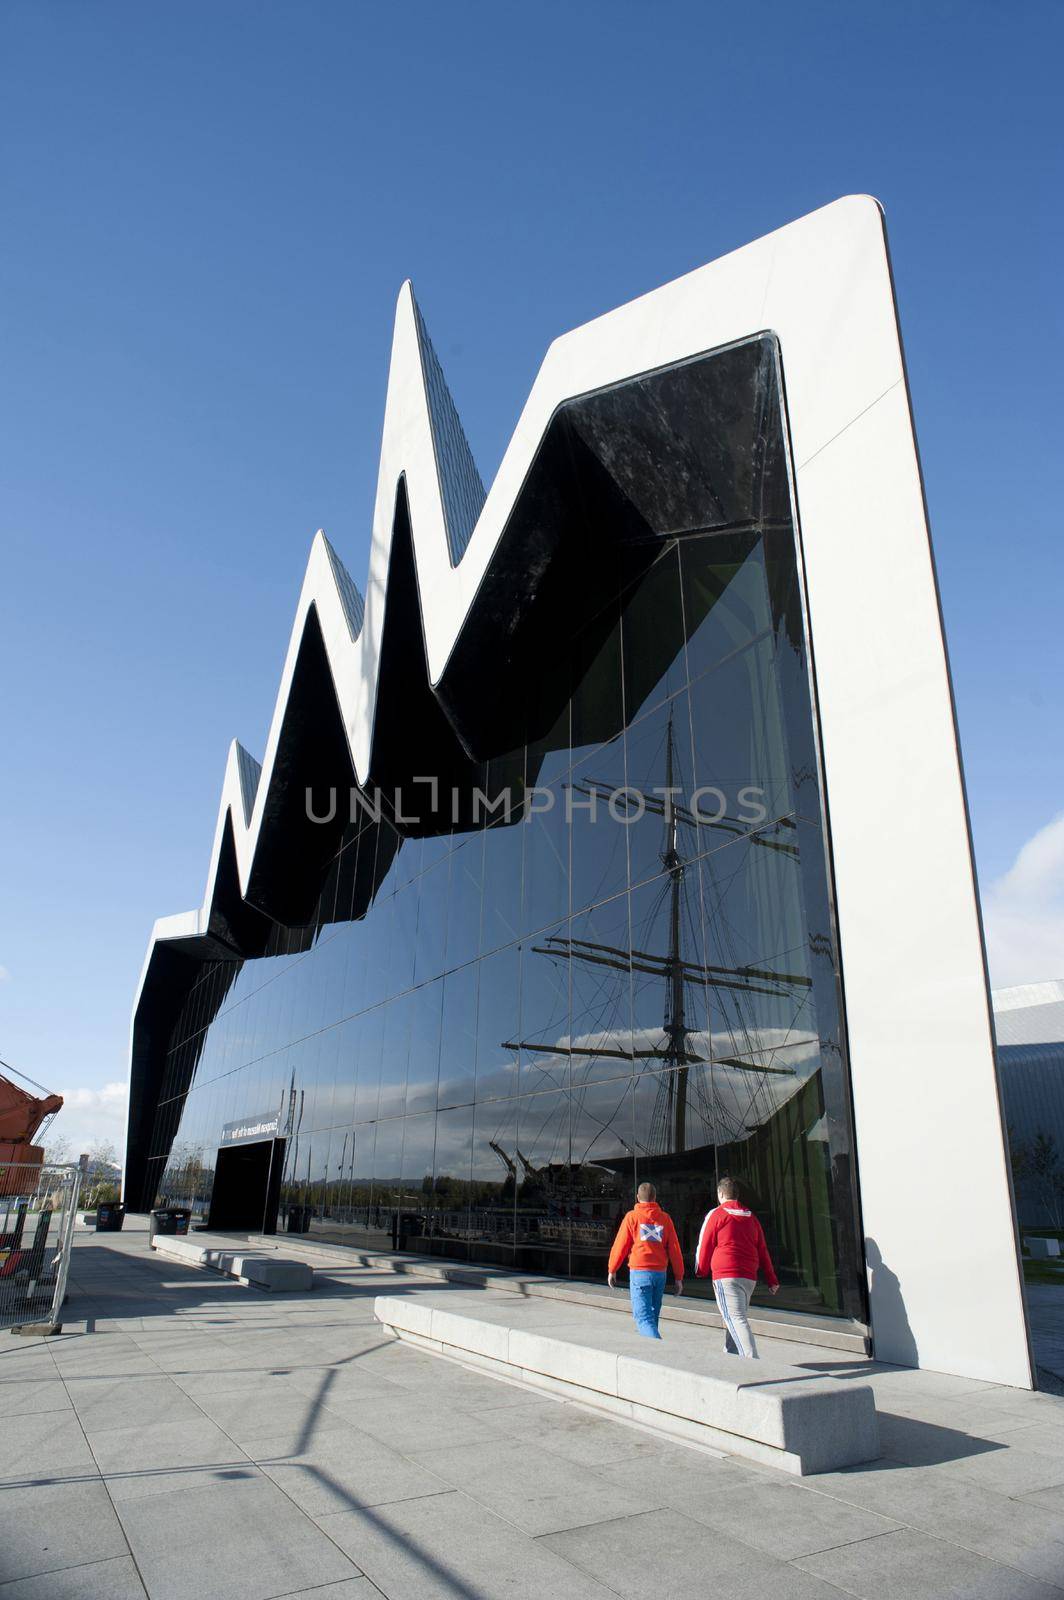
(22, 1116)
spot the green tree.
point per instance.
(1038, 1160)
(101, 1185)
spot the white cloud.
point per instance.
(89, 1115)
(5, 975)
(1024, 912)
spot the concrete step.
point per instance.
(776, 1415)
(768, 1322)
(263, 1270)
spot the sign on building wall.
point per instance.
(250, 1128)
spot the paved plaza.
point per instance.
(188, 1438)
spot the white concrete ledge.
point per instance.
(268, 1272)
(776, 1415)
(768, 1322)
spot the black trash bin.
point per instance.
(168, 1219)
(110, 1217)
(298, 1219)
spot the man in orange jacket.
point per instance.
(647, 1240)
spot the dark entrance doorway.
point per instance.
(247, 1187)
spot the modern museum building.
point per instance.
(617, 833)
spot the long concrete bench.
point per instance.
(777, 1415)
(268, 1272)
(767, 1322)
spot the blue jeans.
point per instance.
(646, 1290)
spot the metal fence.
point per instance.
(38, 1209)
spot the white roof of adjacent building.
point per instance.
(1030, 1013)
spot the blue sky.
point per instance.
(208, 210)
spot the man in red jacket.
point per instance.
(731, 1246)
(647, 1240)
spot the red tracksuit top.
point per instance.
(648, 1239)
(732, 1244)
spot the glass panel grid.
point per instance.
(483, 1041)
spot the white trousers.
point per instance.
(733, 1302)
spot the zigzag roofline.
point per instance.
(424, 449)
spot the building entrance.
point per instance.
(247, 1187)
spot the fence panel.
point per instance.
(38, 1207)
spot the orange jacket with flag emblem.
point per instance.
(647, 1239)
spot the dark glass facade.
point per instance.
(1029, 1023)
(485, 1030)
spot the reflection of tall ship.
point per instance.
(710, 1103)
(558, 1203)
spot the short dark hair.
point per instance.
(728, 1188)
(646, 1191)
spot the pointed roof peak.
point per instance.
(348, 590)
(461, 486)
(249, 772)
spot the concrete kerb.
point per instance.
(769, 1413)
(830, 1333)
(261, 1271)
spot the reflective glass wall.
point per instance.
(625, 970)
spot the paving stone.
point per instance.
(985, 1428)
(24, 1360)
(388, 1357)
(929, 1384)
(463, 1387)
(346, 1589)
(680, 1472)
(103, 1403)
(162, 1337)
(341, 1383)
(665, 1553)
(533, 1489)
(448, 1545)
(912, 1566)
(157, 1446)
(414, 1422)
(238, 1541)
(250, 1414)
(923, 1443)
(1044, 1437)
(141, 1484)
(1011, 1470)
(1028, 1534)
(782, 1519)
(576, 1434)
(343, 1470)
(56, 1525)
(195, 1384)
(196, 1356)
(23, 1397)
(100, 1580)
(1017, 1403)
(43, 1445)
(106, 1364)
(1051, 1499)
